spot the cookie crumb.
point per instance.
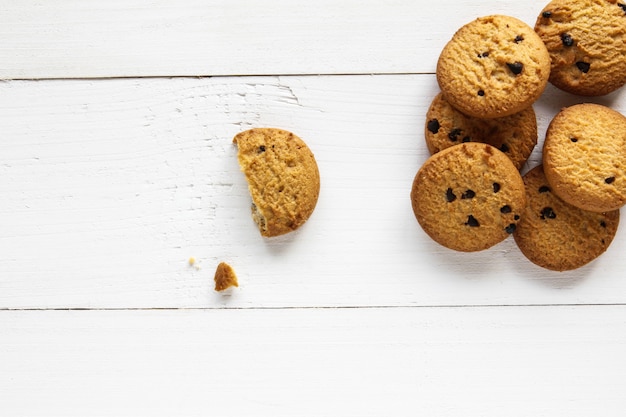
(225, 277)
(194, 263)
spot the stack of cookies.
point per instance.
(481, 129)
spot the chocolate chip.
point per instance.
(466, 139)
(583, 66)
(450, 195)
(609, 180)
(574, 139)
(453, 135)
(433, 126)
(567, 39)
(505, 209)
(261, 149)
(515, 67)
(471, 221)
(510, 228)
(481, 92)
(544, 189)
(602, 223)
(504, 147)
(483, 55)
(516, 217)
(547, 14)
(518, 39)
(622, 6)
(496, 187)
(547, 213)
(468, 194)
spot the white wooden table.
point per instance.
(116, 167)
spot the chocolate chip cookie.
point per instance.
(494, 66)
(468, 197)
(515, 135)
(556, 235)
(586, 40)
(584, 157)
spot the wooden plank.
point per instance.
(310, 362)
(110, 186)
(93, 38)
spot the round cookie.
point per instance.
(283, 178)
(468, 197)
(586, 40)
(556, 235)
(515, 135)
(584, 157)
(494, 66)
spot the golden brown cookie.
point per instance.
(584, 157)
(556, 235)
(515, 135)
(283, 178)
(494, 66)
(586, 40)
(225, 277)
(468, 197)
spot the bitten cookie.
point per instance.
(586, 40)
(515, 135)
(556, 235)
(493, 66)
(468, 197)
(283, 178)
(584, 157)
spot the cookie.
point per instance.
(556, 235)
(468, 197)
(494, 66)
(586, 40)
(515, 135)
(225, 277)
(584, 157)
(283, 178)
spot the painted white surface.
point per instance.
(532, 361)
(95, 38)
(109, 185)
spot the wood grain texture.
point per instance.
(131, 38)
(110, 186)
(116, 167)
(449, 362)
